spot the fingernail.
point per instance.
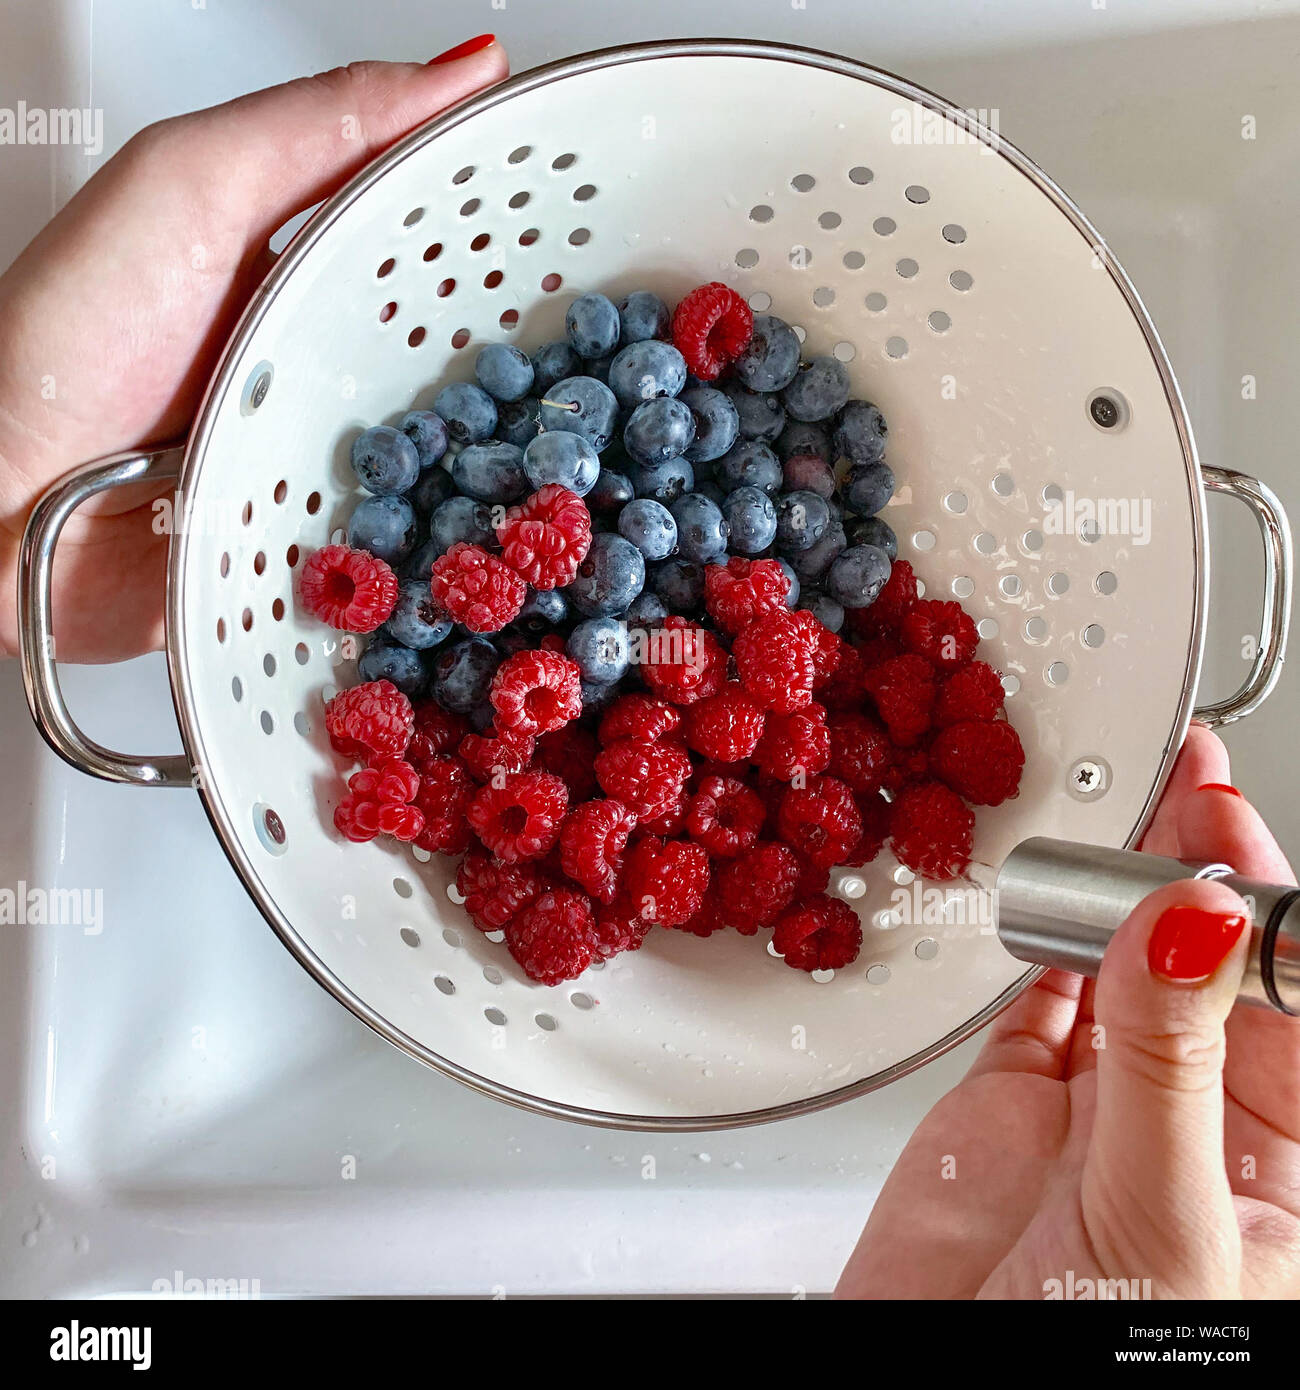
(463, 50)
(1190, 943)
(1218, 787)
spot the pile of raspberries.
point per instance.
(763, 752)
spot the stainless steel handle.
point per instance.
(36, 633)
(1276, 615)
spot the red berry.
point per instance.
(724, 816)
(546, 537)
(437, 730)
(942, 632)
(860, 751)
(874, 811)
(638, 716)
(712, 326)
(377, 802)
(981, 762)
(668, 825)
(907, 765)
(569, 753)
(706, 919)
(892, 602)
(349, 589)
(521, 818)
(619, 928)
(373, 720)
(774, 659)
(741, 590)
(931, 830)
(875, 651)
(903, 689)
(797, 744)
(756, 886)
(971, 692)
(666, 880)
(843, 689)
(592, 840)
(443, 799)
(554, 937)
(813, 878)
(646, 777)
(489, 756)
(478, 590)
(534, 692)
(819, 933)
(495, 892)
(821, 821)
(826, 647)
(726, 727)
(684, 662)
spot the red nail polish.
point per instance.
(463, 50)
(1190, 943)
(1218, 787)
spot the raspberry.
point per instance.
(843, 689)
(874, 811)
(554, 937)
(349, 589)
(820, 933)
(479, 591)
(726, 727)
(758, 885)
(437, 730)
(377, 802)
(546, 537)
(892, 602)
(930, 830)
(712, 326)
(706, 919)
(812, 879)
(825, 646)
(906, 766)
(741, 590)
(793, 744)
(534, 692)
(444, 796)
(683, 662)
(666, 879)
(494, 892)
(821, 821)
(724, 816)
(619, 928)
(903, 689)
(569, 753)
(638, 716)
(981, 762)
(592, 840)
(875, 651)
(942, 632)
(373, 720)
(646, 777)
(860, 751)
(489, 756)
(971, 692)
(668, 825)
(774, 659)
(521, 818)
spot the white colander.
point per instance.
(970, 299)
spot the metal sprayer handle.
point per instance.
(1275, 617)
(36, 633)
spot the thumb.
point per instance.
(1156, 1201)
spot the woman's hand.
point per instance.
(112, 320)
(1138, 1128)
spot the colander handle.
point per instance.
(1275, 618)
(36, 633)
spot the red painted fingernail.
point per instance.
(463, 50)
(1190, 943)
(1219, 787)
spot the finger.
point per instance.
(1156, 1197)
(1033, 1034)
(1202, 758)
(1217, 823)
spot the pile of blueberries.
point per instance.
(772, 460)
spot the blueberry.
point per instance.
(649, 525)
(860, 432)
(801, 520)
(597, 368)
(596, 695)
(385, 526)
(592, 325)
(599, 647)
(710, 490)
(564, 458)
(543, 610)
(463, 673)
(435, 485)
(791, 598)
(809, 473)
(385, 461)
(642, 315)
(460, 519)
(824, 608)
(420, 564)
(680, 584)
(428, 432)
(749, 463)
(504, 372)
(611, 576)
(641, 371)
(872, 531)
(717, 422)
(867, 487)
(811, 564)
(610, 492)
(416, 620)
(819, 389)
(646, 609)
(760, 416)
(581, 405)
(491, 472)
(663, 482)
(384, 660)
(701, 528)
(772, 357)
(751, 515)
(659, 430)
(803, 437)
(857, 575)
(554, 362)
(470, 413)
(517, 421)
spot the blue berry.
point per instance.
(791, 598)
(857, 575)
(599, 647)
(658, 430)
(560, 456)
(610, 577)
(749, 463)
(760, 416)
(860, 432)
(646, 609)
(872, 531)
(819, 389)
(461, 519)
(518, 422)
(680, 585)
(435, 485)
(810, 474)
(428, 433)
(824, 608)
(385, 461)
(772, 357)
(596, 695)
(385, 660)
(543, 610)
(385, 526)
(592, 325)
(416, 620)
(811, 564)
(801, 520)
(504, 372)
(641, 371)
(701, 528)
(642, 315)
(711, 490)
(420, 564)
(867, 487)
(470, 413)
(491, 472)
(751, 516)
(610, 493)
(663, 482)
(803, 437)
(649, 525)
(581, 405)
(463, 673)
(597, 368)
(481, 718)
(717, 422)
(554, 362)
